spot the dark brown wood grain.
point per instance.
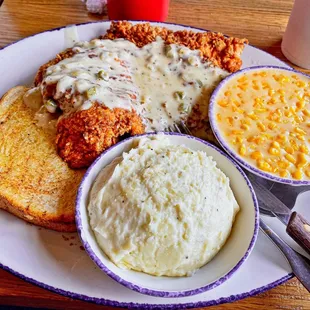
(263, 22)
(299, 229)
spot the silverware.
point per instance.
(296, 225)
(299, 264)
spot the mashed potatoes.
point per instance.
(162, 209)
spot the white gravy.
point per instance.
(160, 82)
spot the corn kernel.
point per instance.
(301, 137)
(258, 102)
(239, 139)
(271, 92)
(236, 109)
(261, 126)
(263, 165)
(289, 150)
(299, 130)
(219, 117)
(243, 86)
(263, 74)
(290, 158)
(300, 104)
(301, 160)
(306, 112)
(227, 93)
(294, 144)
(298, 119)
(242, 79)
(308, 173)
(275, 144)
(245, 121)
(288, 113)
(297, 174)
(281, 138)
(252, 116)
(245, 127)
(282, 99)
(250, 139)
(242, 150)
(301, 84)
(273, 151)
(260, 110)
(256, 155)
(275, 169)
(304, 149)
(283, 173)
(230, 120)
(259, 140)
(272, 101)
(255, 87)
(283, 164)
(272, 126)
(237, 132)
(223, 103)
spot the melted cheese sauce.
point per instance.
(162, 209)
(162, 83)
(264, 116)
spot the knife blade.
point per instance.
(270, 202)
(297, 226)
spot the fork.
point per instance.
(299, 264)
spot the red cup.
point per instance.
(153, 10)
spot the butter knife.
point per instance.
(297, 226)
(299, 264)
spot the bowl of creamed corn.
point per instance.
(261, 117)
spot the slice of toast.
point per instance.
(35, 184)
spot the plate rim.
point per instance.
(225, 145)
(112, 303)
(161, 293)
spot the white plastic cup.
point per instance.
(296, 40)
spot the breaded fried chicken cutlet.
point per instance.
(135, 78)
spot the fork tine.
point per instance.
(185, 128)
(177, 128)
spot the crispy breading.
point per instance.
(84, 135)
(222, 51)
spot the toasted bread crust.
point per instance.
(35, 184)
(19, 211)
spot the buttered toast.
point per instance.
(35, 184)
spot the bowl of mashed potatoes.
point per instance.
(167, 214)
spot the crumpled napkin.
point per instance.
(96, 6)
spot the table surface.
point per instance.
(262, 22)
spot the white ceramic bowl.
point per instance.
(225, 263)
(212, 117)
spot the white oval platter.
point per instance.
(57, 262)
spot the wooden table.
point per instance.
(262, 22)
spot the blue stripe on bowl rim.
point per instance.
(225, 145)
(129, 305)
